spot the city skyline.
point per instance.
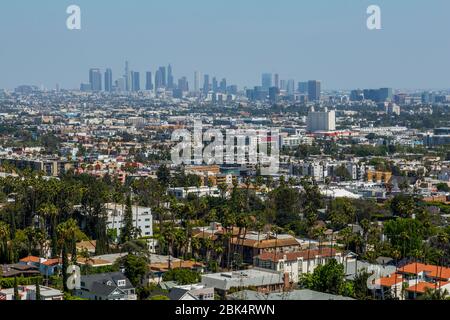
(327, 41)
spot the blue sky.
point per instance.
(236, 39)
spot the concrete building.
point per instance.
(321, 121)
(260, 279)
(142, 220)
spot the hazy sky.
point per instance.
(237, 39)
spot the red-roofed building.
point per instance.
(415, 278)
(297, 263)
(47, 267)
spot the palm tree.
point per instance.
(432, 294)
(4, 238)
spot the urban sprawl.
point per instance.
(93, 207)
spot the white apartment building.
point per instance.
(142, 220)
(183, 193)
(321, 121)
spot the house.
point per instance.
(415, 278)
(29, 293)
(18, 270)
(389, 287)
(298, 262)
(88, 245)
(253, 244)
(260, 279)
(192, 292)
(106, 286)
(47, 267)
(159, 265)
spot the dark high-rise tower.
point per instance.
(223, 85)
(215, 85)
(158, 79)
(206, 85)
(95, 80)
(266, 81)
(135, 81)
(163, 77)
(314, 89)
(148, 81)
(126, 76)
(108, 80)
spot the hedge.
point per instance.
(6, 283)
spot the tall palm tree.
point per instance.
(4, 238)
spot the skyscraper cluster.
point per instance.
(272, 88)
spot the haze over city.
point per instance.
(238, 40)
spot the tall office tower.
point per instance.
(215, 85)
(291, 87)
(283, 85)
(95, 80)
(321, 121)
(135, 81)
(303, 87)
(266, 81)
(126, 76)
(314, 89)
(158, 79)
(206, 85)
(148, 81)
(276, 80)
(223, 85)
(385, 94)
(274, 93)
(183, 84)
(170, 81)
(108, 80)
(196, 81)
(163, 76)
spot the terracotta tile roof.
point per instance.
(88, 245)
(164, 267)
(52, 262)
(431, 270)
(93, 262)
(304, 254)
(262, 244)
(31, 259)
(390, 281)
(422, 286)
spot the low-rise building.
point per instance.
(261, 280)
(29, 293)
(106, 286)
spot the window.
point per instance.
(121, 283)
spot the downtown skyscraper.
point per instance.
(108, 80)
(197, 81)
(266, 81)
(170, 80)
(135, 81)
(148, 81)
(314, 90)
(95, 79)
(127, 77)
